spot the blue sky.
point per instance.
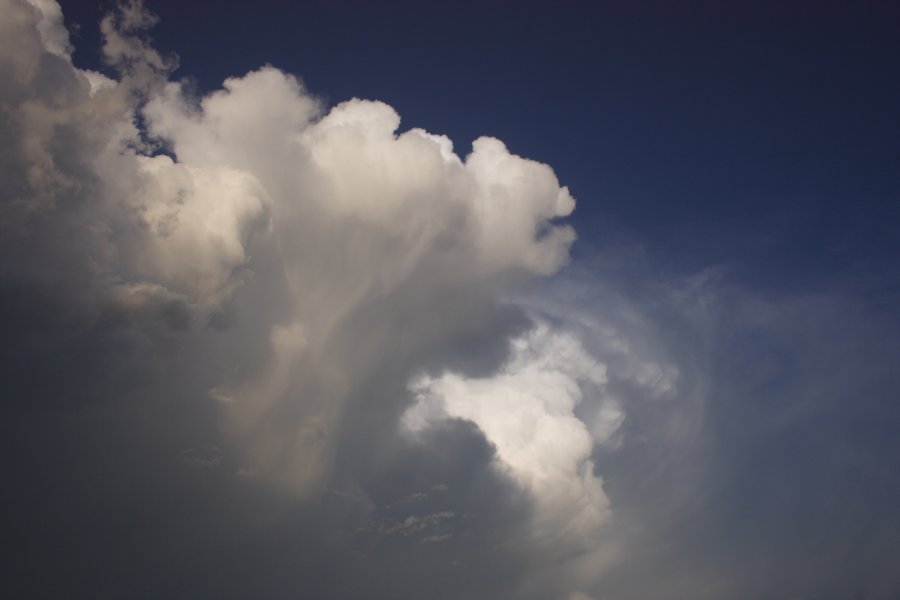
(263, 342)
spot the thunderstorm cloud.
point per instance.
(255, 344)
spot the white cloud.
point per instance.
(527, 410)
(141, 233)
(366, 220)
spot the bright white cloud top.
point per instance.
(527, 411)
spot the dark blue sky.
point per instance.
(760, 135)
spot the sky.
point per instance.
(451, 300)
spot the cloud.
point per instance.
(754, 449)
(527, 411)
(284, 269)
(388, 245)
(107, 225)
(257, 342)
(413, 525)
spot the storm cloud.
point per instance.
(258, 345)
(289, 268)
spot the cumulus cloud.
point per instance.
(527, 411)
(309, 262)
(388, 243)
(106, 224)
